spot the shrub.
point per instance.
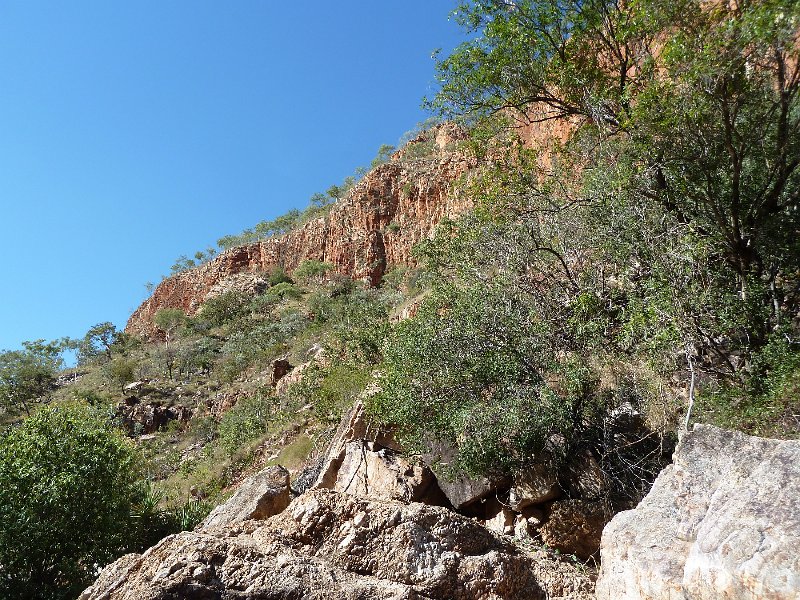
(120, 371)
(247, 420)
(227, 307)
(67, 486)
(278, 275)
(284, 291)
(312, 269)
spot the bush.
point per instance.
(247, 420)
(278, 276)
(312, 269)
(225, 308)
(284, 291)
(67, 486)
(477, 370)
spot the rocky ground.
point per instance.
(721, 522)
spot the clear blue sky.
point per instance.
(134, 132)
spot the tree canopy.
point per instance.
(67, 487)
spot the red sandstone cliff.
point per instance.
(413, 195)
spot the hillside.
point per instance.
(537, 352)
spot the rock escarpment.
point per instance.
(722, 522)
(330, 545)
(375, 227)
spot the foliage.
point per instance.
(58, 465)
(663, 224)
(100, 340)
(169, 321)
(121, 371)
(247, 420)
(330, 389)
(469, 370)
(312, 269)
(279, 275)
(229, 306)
(384, 155)
(28, 374)
(284, 291)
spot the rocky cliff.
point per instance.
(374, 228)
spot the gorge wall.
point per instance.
(374, 228)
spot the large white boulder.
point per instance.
(722, 522)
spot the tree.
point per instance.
(67, 486)
(100, 339)
(30, 373)
(169, 321)
(384, 155)
(695, 109)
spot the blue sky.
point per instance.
(134, 132)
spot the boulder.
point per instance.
(336, 546)
(535, 485)
(723, 521)
(258, 497)
(354, 427)
(575, 527)
(461, 490)
(499, 518)
(139, 417)
(381, 474)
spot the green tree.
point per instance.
(169, 321)
(384, 155)
(694, 109)
(28, 374)
(99, 340)
(67, 486)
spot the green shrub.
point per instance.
(312, 269)
(330, 389)
(67, 487)
(247, 420)
(120, 371)
(227, 307)
(278, 275)
(284, 291)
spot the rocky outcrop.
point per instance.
(258, 497)
(329, 545)
(366, 461)
(144, 417)
(722, 522)
(391, 209)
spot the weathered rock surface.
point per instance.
(258, 497)
(722, 522)
(378, 473)
(412, 196)
(575, 527)
(144, 417)
(330, 545)
(535, 485)
(354, 426)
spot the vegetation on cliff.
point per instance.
(639, 258)
(658, 239)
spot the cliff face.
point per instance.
(410, 194)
